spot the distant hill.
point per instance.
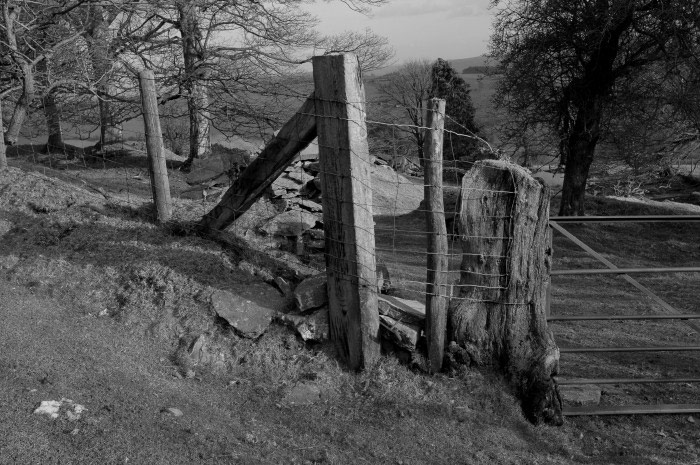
(459, 64)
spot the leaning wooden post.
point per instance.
(347, 208)
(436, 288)
(3, 155)
(154, 147)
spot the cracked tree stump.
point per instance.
(498, 318)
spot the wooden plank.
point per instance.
(294, 137)
(632, 410)
(160, 186)
(665, 306)
(436, 285)
(407, 311)
(347, 208)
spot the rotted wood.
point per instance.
(498, 317)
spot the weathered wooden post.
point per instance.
(347, 208)
(3, 155)
(154, 147)
(499, 317)
(436, 289)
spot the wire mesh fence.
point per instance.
(288, 219)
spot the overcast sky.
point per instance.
(430, 29)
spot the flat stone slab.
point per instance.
(404, 310)
(311, 293)
(403, 335)
(249, 310)
(580, 394)
(286, 183)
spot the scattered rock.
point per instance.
(299, 175)
(49, 407)
(306, 156)
(5, 227)
(404, 310)
(303, 394)
(291, 223)
(311, 293)
(384, 285)
(312, 327)
(173, 411)
(286, 183)
(310, 205)
(250, 309)
(197, 352)
(580, 394)
(53, 408)
(313, 167)
(283, 286)
(403, 335)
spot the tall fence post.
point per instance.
(436, 288)
(347, 208)
(3, 155)
(157, 168)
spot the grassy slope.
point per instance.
(67, 253)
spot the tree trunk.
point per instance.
(22, 105)
(195, 75)
(197, 105)
(498, 319)
(581, 148)
(53, 122)
(3, 155)
(102, 59)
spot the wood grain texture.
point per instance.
(436, 288)
(294, 137)
(347, 208)
(160, 186)
(499, 315)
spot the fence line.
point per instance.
(400, 223)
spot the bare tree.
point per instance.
(244, 46)
(564, 63)
(405, 92)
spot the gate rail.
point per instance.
(670, 314)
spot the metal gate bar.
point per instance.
(672, 314)
(577, 382)
(692, 316)
(629, 279)
(633, 409)
(585, 271)
(627, 219)
(571, 350)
